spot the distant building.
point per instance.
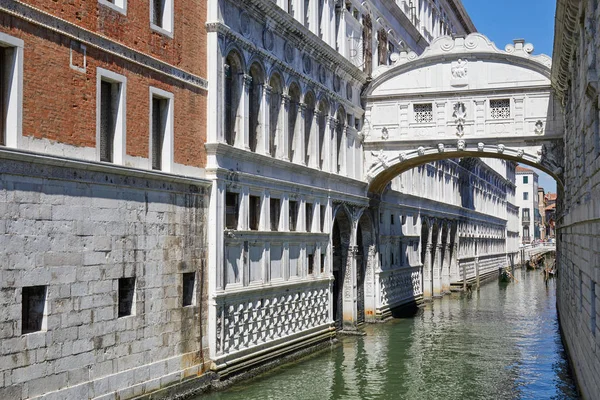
(550, 214)
(529, 214)
(541, 199)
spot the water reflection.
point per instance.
(499, 343)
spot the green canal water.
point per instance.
(501, 342)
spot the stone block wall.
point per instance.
(75, 230)
(578, 208)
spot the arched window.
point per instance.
(323, 114)
(232, 91)
(274, 111)
(309, 102)
(293, 125)
(254, 106)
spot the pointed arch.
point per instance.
(275, 109)
(294, 123)
(233, 89)
(255, 103)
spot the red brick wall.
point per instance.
(59, 103)
(186, 50)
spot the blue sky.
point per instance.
(505, 20)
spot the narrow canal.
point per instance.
(499, 343)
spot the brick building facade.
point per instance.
(102, 197)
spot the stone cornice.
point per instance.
(224, 150)
(285, 24)
(128, 174)
(95, 40)
(564, 43)
(221, 28)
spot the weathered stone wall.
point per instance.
(75, 229)
(579, 208)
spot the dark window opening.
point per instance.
(323, 263)
(126, 296)
(159, 119)
(231, 210)
(275, 212)
(392, 219)
(254, 212)
(32, 308)
(189, 280)
(293, 213)
(311, 264)
(158, 7)
(309, 216)
(323, 209)
(108, 107)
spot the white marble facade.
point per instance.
(297, 247)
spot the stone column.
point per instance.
(313, 150)
(427, 273)
(262, 145)
(284, 139)
(350, 292)
(299, 150)
(437, 265)
(446, 263)
(242, 138)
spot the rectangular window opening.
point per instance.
(160, 109)
(311, 263)
(32, 309)
(293, 213)
(126, 296)
(322, 263)
(108, 118)
(232, 210)
(525, 195)
(392, 219)
(423, 113)
(254, 212)
(275, 213)
(500, 109)
(525, 179)
(308, 214)
(323, 210)
(189, 288)
(161, 15)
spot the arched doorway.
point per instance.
(340, 240)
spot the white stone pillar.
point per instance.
(265, 113)
(313, 150)
(437, 267)
(284, 138)
(427, 267)
(446, 262)
(242, 138)
(299, 150)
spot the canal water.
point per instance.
(501, 342)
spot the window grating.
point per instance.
(423, 113)
(500, 108)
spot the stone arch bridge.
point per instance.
(463, 97)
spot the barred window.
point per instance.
(423, 113)
(500, 108)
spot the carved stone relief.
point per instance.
(288, 51)
(268, 39)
